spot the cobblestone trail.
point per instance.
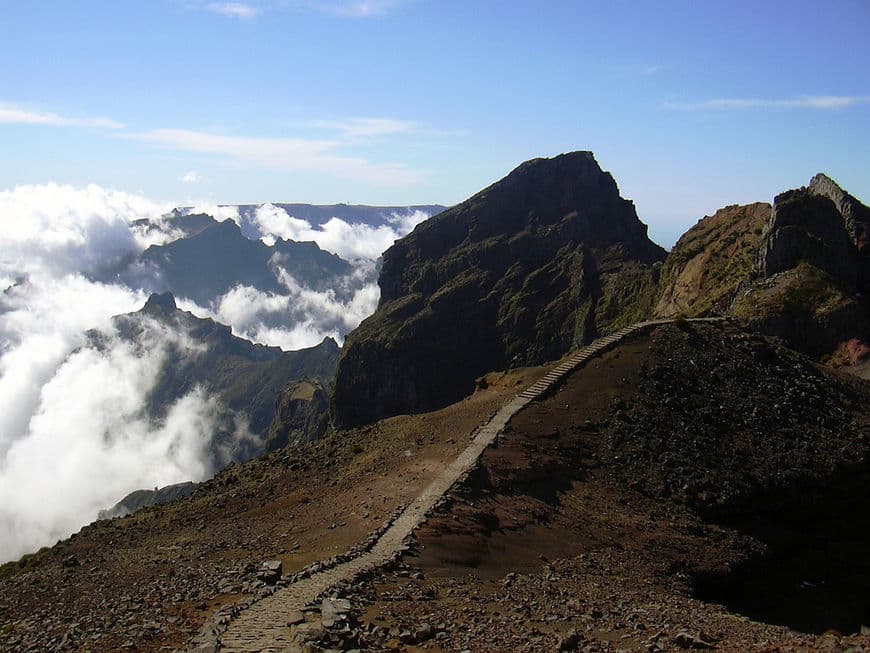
(263, 626)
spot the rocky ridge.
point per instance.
(245, 377)
(798, 269)
(810, 280)
(218, 257)
(542, 261)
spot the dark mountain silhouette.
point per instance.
(188, 224)
(244, 376)
(539, 262)
(211, 262)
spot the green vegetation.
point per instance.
(805, 290)
(28, 562)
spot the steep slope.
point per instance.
(578, 528)
(602, 518)
(244, 376)
(300, 414)
(709, 262)
(540, 261)
(812, 274)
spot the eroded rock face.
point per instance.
(543, 260)
(300, 414)
(711, 260)
(243, 376)
(808, 227)
(813, 269)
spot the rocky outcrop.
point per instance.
(813, 270)
(300, 414)
(245, 377)
(711, 260)
(806, 227)
(541, 261)
(144, 498)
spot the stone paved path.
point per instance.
(263, 627)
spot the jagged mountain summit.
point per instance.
(541, 261)
(245, 377)
(212, 260)
(798, 269)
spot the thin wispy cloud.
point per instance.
(191, 177)
(11, 114)
(367, 127)
(292, 154)
(233, 9)
(651, 70)
(357, 8)
(818, 102)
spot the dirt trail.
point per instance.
(263, 627)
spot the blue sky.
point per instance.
(691, 105)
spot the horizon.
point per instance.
(398, 102)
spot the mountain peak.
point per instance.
(543, 259)
(160, 303)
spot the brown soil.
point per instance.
(560, 539)
(150, 580)
(596, 524)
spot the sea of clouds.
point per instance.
(74, 436)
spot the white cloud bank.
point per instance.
(56, 229)
(88, 442)
(73, 435)
(350, 241)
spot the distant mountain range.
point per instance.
(216, 256)
(211, 257)
(245, 377)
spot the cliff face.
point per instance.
(821, 225)
(244, 376)
(545, 259)
(709, 262)
(300, 414)
(812, 271)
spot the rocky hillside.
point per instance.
(541, 261)
(301, 414)
(812, 273)
(799, 269)
(245, 377)
(582, 530)
(709, 262)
